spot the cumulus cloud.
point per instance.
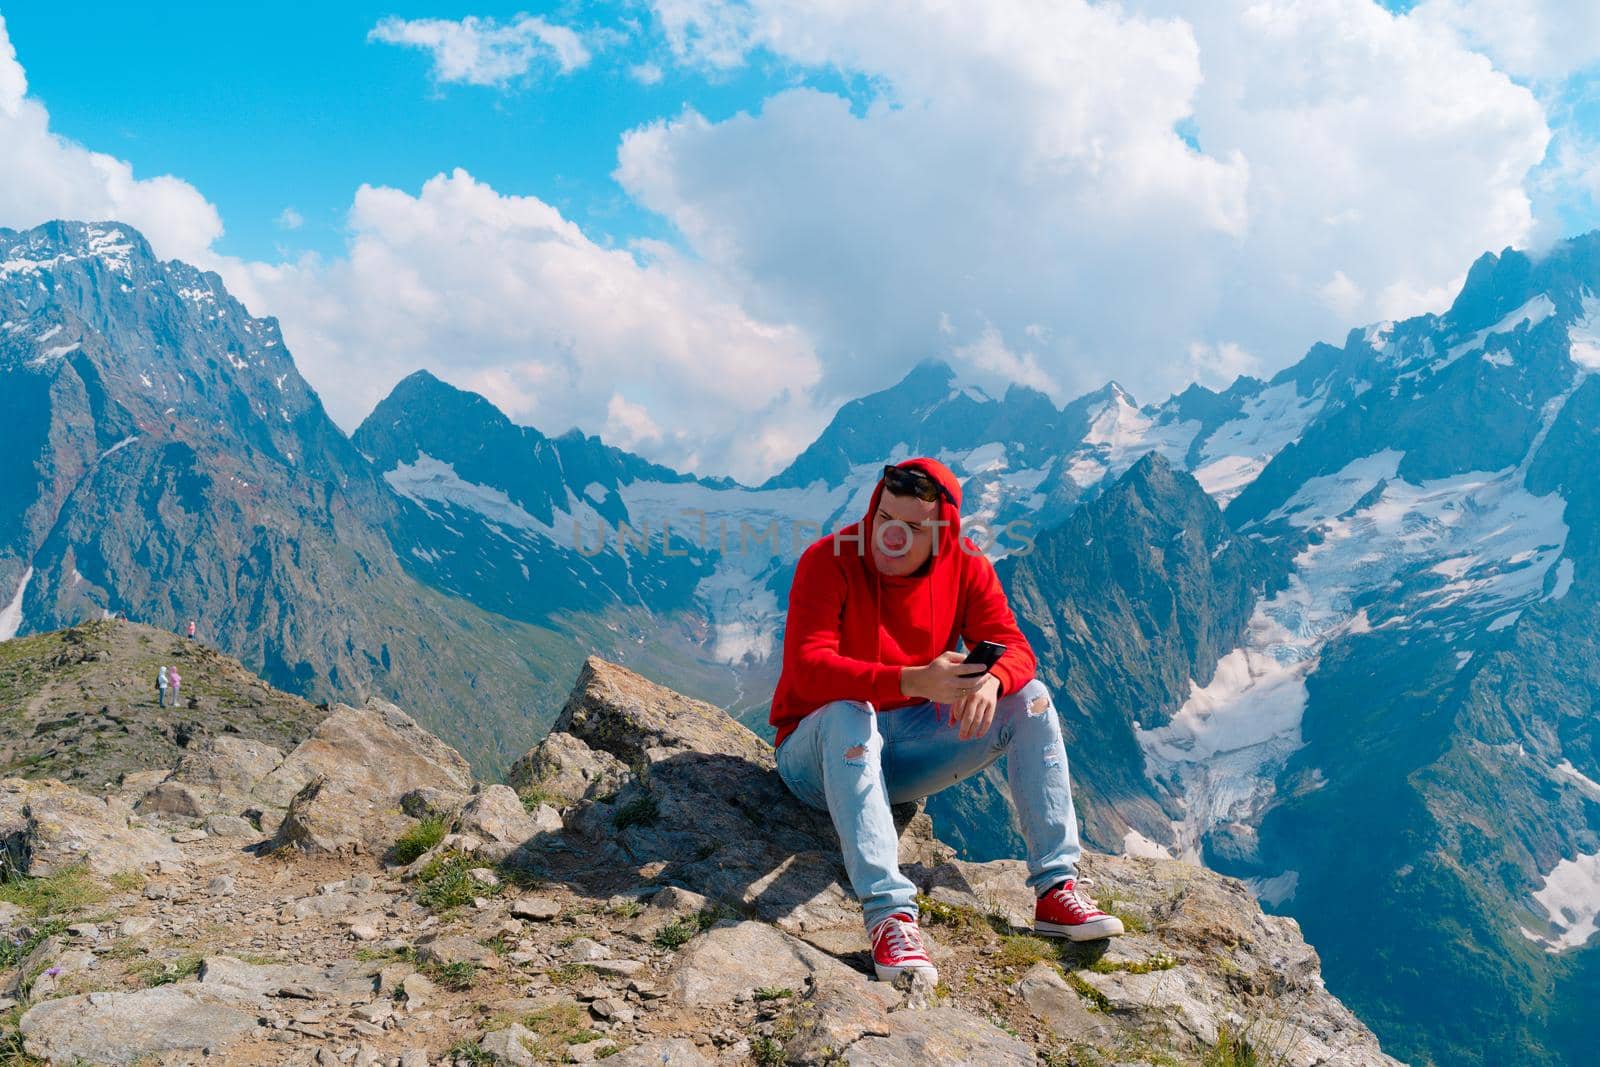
(481, 51)
(495, 293)
(502, 295)
(1044, 192)
(1020, 163)
(44, 176)
(1533, 39)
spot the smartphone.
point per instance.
(984, 654)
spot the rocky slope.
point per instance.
(160, 455)
(650, 896)
(81, 705)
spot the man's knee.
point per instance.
(1032, 701)
(850, 731)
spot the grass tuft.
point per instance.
(411, 845)
(966, 923)
(447, 883)
(457, 977)
(1024, 950)
(642, 810)
(71, 890)
(680, 931)
(165, 972)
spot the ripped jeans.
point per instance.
(853, 762)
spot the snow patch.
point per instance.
(1584, 782)
(11, 614)
(1245, 444)
(1564, 571)
(1490, 541)
(1583, 335)
(119, 446)
(1570, 897)
(429, 480)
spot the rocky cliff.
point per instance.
(642, 891)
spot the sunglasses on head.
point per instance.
(907, 481)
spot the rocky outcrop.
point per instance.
(701, 807)
(695, 915)
(48, 828)
(126, 1028)
(216, 776)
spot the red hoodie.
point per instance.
(851, 627)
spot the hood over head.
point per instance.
(943, 567)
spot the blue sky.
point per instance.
(298, 109)
(799, 200)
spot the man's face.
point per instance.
(900, 549)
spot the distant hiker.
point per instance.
(874, 708)
(191, 629)
(174, 679)
(162, 682)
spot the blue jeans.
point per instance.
(853, 762)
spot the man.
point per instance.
(874, 708)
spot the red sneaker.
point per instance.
(897, 948)
(1067, 911)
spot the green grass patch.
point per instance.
(12, 1052)
(680, 931)
(1024, 950)
(766, 1051)
(967, 923)
(71, 890)
(642, 810)
(1097, 1000)
(411, 845)
(165, 972)
(457, 977)
(1161, 961)
(534, 796)
(570, 974)
(774, 993)
(373, 955)
(468, 1051)
(14, 952)
(127, 881)
(1261, 1043)
(447, 883)
(557, 1027)
(1132, 920)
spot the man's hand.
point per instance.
(975, 711)
(944, 681)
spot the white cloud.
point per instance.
(481, 51)
(989, 357)
(629, 425)
(290, 219)
(1534, 39)
(1013, 196)
(44, 176)
(1217, 365)
(496, 293)
(646, 73)
(1019, 166)
(502, 295)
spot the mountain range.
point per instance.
(1331, 632)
